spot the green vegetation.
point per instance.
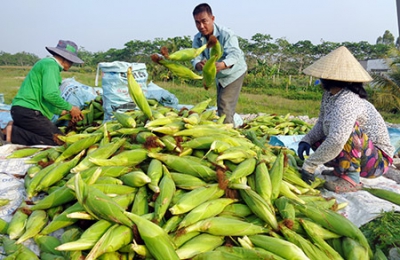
(252, 100)
(384, 231)
(271, 96)
(274, 83)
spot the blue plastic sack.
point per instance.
(76, 94)
(289, 141)
(115, 85)
(394, 134)
(164, 97)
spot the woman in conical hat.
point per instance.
(350, 135)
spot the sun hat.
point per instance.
(66, 49)
(339, 65)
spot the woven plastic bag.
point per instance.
(115, 85)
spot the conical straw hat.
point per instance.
(339, 65)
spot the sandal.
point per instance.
(344, 184)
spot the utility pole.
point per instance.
(398, 15)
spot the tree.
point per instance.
(387, 38)
(303, 52)
(261, 47)
(387, 87)
(86, 56)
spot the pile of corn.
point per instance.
(267, 125)
(157, 183)
(93, 113)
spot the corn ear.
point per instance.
(102, 152)
(200, 106)
(286, 209)
(216, 48)
(135, 179)
(262, 178)
(236, 209)
(176, 68)
(155, 238)
(260, 207)
(62, 220)
(125, 120)
(236, 154)
(113, 239)
(276, 174)
(98, 204)
(210, 72)
(186, 181)
(88, 238)
(137, 95)
(24, 152)
(17, 251)
(195, 197)
(58, 197)
(186, 54)
(171, 225)
(170, 143)
(107, 171)
(35, 223)
(353, 250)
(35, 181)
(319, 240)
(205, 210)
(164, 198)
(58, 173)
(140, 205)
(125, 158)
(125, 200)
(184, 165)
(199, 244)
(275, 245)
(221, 226)
(244, 169)
(237, 252)
(79, 146)
(179, 238)
(335, 222)
(155, 172)
(3, 226)
(48, 244)
(284, 190)
(16, 226)
(388, 195)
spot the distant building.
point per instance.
(380, 66)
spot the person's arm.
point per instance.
(316, 133)
(339, 132)
(51, 92)
(232, 52)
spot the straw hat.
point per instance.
(66, 49)
(339, 65)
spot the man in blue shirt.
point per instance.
(231, 67)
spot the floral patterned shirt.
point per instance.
(338, 115)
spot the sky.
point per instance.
(99, 25)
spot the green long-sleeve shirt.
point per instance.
(40, 89)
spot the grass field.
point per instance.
(249, 103)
